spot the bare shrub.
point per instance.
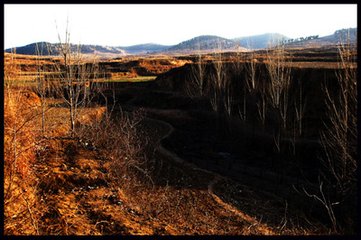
(118, 138)
(20, 141)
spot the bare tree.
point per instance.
(251, 72)
(74, 78)
(43, 86)
(299, 104)
(217, 83)
(195, 87)
(300, 108)
(250, 81)
(239, 66)
(339, 139)
(220, 95)
(262, 103)
(228, 97)
(280, 76)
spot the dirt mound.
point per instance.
(141, 67)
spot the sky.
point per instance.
(168, 24)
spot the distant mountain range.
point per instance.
(45, 48)
(260, 41)
(342, 35)
(145, 48)
(204, 43)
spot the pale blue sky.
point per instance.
(124, 25)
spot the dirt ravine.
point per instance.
(80, 196)
(261, 228)
(80, 199)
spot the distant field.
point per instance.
(29, 80)
(23, 82)
(128, 79)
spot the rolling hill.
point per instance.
(145, 48)
(46, 48)
(204, 43)
(342, 35)
(260, 41)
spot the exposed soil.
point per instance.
(82, 198)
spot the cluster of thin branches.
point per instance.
(196, 87)
(212, 84)
(280, 77)
(73, 79)
(118, 138)
(339, 139)
(20, 141)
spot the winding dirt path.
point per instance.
(80, 197)
(261, 228)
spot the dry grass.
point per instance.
(119, 140)
(20, 141)
(102, 185)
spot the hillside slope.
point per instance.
(260, 41)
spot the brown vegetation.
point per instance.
(20, 142)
